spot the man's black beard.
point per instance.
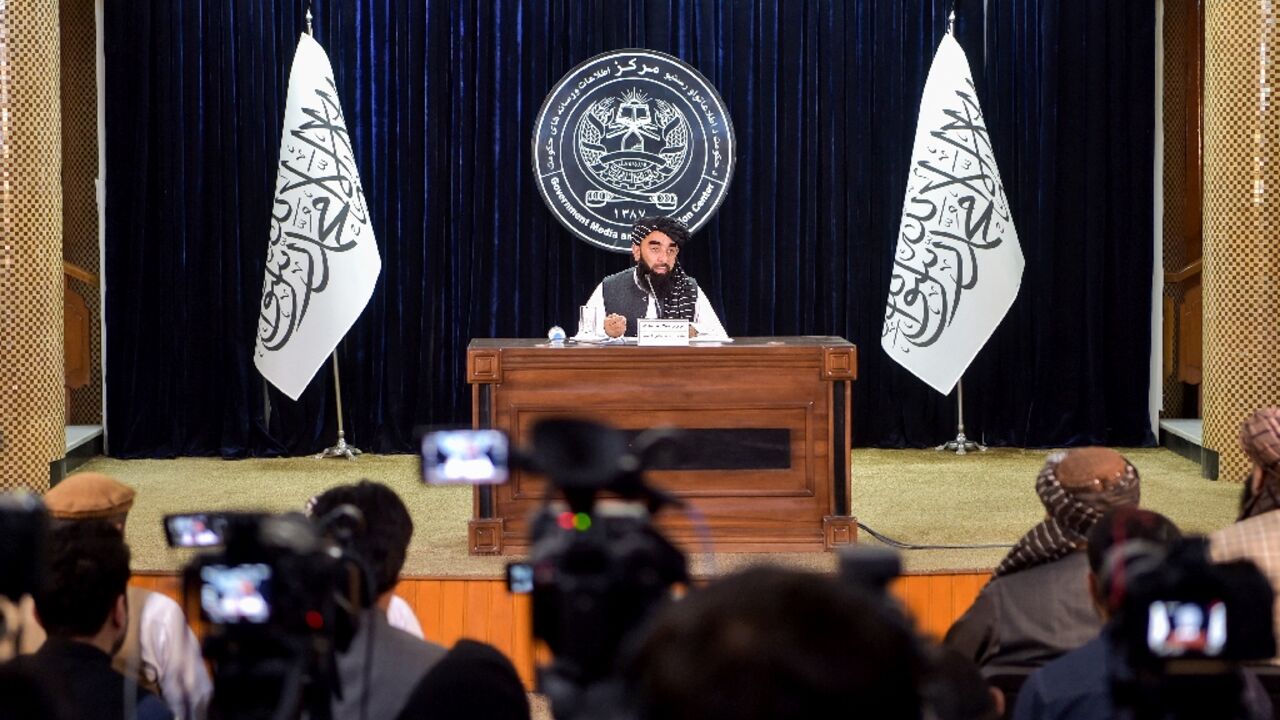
(660, 282)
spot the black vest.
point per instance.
(624, 297)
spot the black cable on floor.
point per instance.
(911, 546)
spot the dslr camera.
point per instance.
(1184, 628)
(280, 599)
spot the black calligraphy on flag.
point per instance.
(957, 265)
(319, 212)
(322, 259)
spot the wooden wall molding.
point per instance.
(481, 609)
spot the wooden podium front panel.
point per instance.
(797, 480)
(774, 387)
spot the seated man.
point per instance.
(160, 650)
(655, 287)
(473, 681)
(1255, 535)
(1031, 612)
(1078, 685)
(399, 614)
(83, 609)
(392, 661)
(956, 690)
(772, 643)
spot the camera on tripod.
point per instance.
(281, 598)
(597, 567)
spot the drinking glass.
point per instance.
(587, 321)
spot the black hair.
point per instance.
(672, 228)
(384, 540)
(87, 569)
(773, 643)
(1124, 524)
(956, 689)
(473, 680)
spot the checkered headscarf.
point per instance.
(1077, 487)
(672, 228)
(1260, 439)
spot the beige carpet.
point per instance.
(926, 497)
(917, 496)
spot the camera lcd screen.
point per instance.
(1178, 629)
(236, 594)
(475, 457)
(520, 578)
(196, 530)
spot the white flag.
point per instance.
(322, 262)
(958, 265)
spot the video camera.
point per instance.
(1184, 627)
(597, 568)
(281, 598)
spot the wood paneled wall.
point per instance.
(450, 609)
(935, 601)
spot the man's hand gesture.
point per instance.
(614, 325)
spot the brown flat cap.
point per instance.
(85, 496)
(1091, 469)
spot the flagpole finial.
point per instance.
(951, 21)
(308, 19)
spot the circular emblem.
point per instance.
(627, 134)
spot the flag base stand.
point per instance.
(343, 450)
(961, 445)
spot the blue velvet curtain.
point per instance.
(440, 99)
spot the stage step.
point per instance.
(84, 442)
(1185, 436)
(78, 435)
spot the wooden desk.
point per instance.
(772, 414)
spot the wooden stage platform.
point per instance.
(451, 609)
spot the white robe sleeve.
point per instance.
(401, 616)
(596, 301)
(168, 645)
(705, 320)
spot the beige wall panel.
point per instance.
(31, 372)
(1241, 222)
